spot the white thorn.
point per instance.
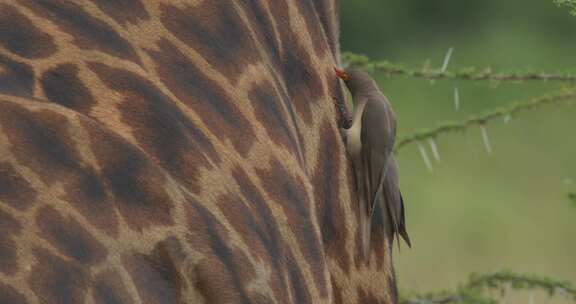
(486, 139)
(434, 148)
(447, 59)
(425, 156)
(531, 298)
(560, 291)
(507, 118)
(456, 99)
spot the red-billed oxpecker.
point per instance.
(370, 143)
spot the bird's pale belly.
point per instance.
(353, 141)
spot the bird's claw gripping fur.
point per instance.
(345, 119)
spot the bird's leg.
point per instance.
(345, 120)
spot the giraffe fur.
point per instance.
(159, 151)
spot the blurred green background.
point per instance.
(477, 212)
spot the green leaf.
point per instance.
(568, 3)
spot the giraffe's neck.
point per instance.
(176, 152)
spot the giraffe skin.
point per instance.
(177, 152)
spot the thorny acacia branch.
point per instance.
(473, 290)
(564, 95)
(467, 73)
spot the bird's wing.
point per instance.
(378, 136)
(393, 204)
(377, 170)
(379, 124)
(374, 179)
(388, 200)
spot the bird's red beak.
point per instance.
(341, 74)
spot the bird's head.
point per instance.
(356, 80)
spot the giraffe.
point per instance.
(156, 151)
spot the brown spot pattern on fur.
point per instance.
(192, 87)
(261, 22)
(134, 182)
(62, 86)
(289, 192)
(265, 231)
(222, 265)
(41, 142)
(160, 126)
(261, 217)
(330, 27)
(10, 295)
(89, 32)
(337, 292)
(158, 275)
(9, 227)
(69, 237)
(271, 113)
(327, 196)
(393, 287)
(20, 36)
(56, 280)
(16, 78)
(366, 297)
(378, 241)
(108, 288)
(303, 84)
(215, 30)
(300, 294)
(315, 28)
(125, 11)
(253, 230)
(15, 191)
(100, 148)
